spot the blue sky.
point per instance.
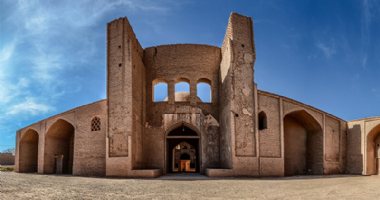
(52, 53)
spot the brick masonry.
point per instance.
(133, 139)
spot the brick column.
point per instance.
(193, 93)
(171, 92)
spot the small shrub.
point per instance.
(6, 169)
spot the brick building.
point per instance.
(7, 159)
(239, 131)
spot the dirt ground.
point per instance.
(35, 186)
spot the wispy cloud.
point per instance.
(47, 47)
(46, 65)
(6, 52)
(29, 106)
(365, 31)
(376, 92)
(42, 27)
(328, 50)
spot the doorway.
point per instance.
(182, 151)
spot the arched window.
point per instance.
(204, 91)
(182, 91)
(160, 91)
(95, 124)
(262, 120)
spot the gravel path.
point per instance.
(35, 186)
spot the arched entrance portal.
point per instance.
(29, 152)
(182, 151)
(373, 151)
(303, 139)
(59, 148)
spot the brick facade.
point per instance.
(135, 136)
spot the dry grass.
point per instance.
(6, 168)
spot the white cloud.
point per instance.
(9, 91)
(46, 47)
(327, 50)
(364, 60)
(6, 52)
(29, 106)
(365, 31)
(366, 15)
(42, 15)
(43, 24)
(46, 42)
(45, 65)
(37, 24)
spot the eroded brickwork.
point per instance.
(242, 132)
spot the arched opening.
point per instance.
(160, 91)
(373, 151)
(262, 121)
(29, 152)
(303, 138)
(184, 158)
(182, 91)
(204, 90)
(59, 148)
(182, 150)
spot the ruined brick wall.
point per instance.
(237, 102)
(170, 64)
(7, 159)
(133, 136)
(125, 98)
(139, 110)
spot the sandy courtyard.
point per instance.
(34, 186)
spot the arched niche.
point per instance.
(263, 121)
(59, 148)
(28, 156)
(373, 151)
(303, 144)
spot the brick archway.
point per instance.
(181, 140)
(303, 140)
(373, 151)
(59, 144)
(28, 158)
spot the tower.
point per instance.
(126, 99)
(238, 97)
